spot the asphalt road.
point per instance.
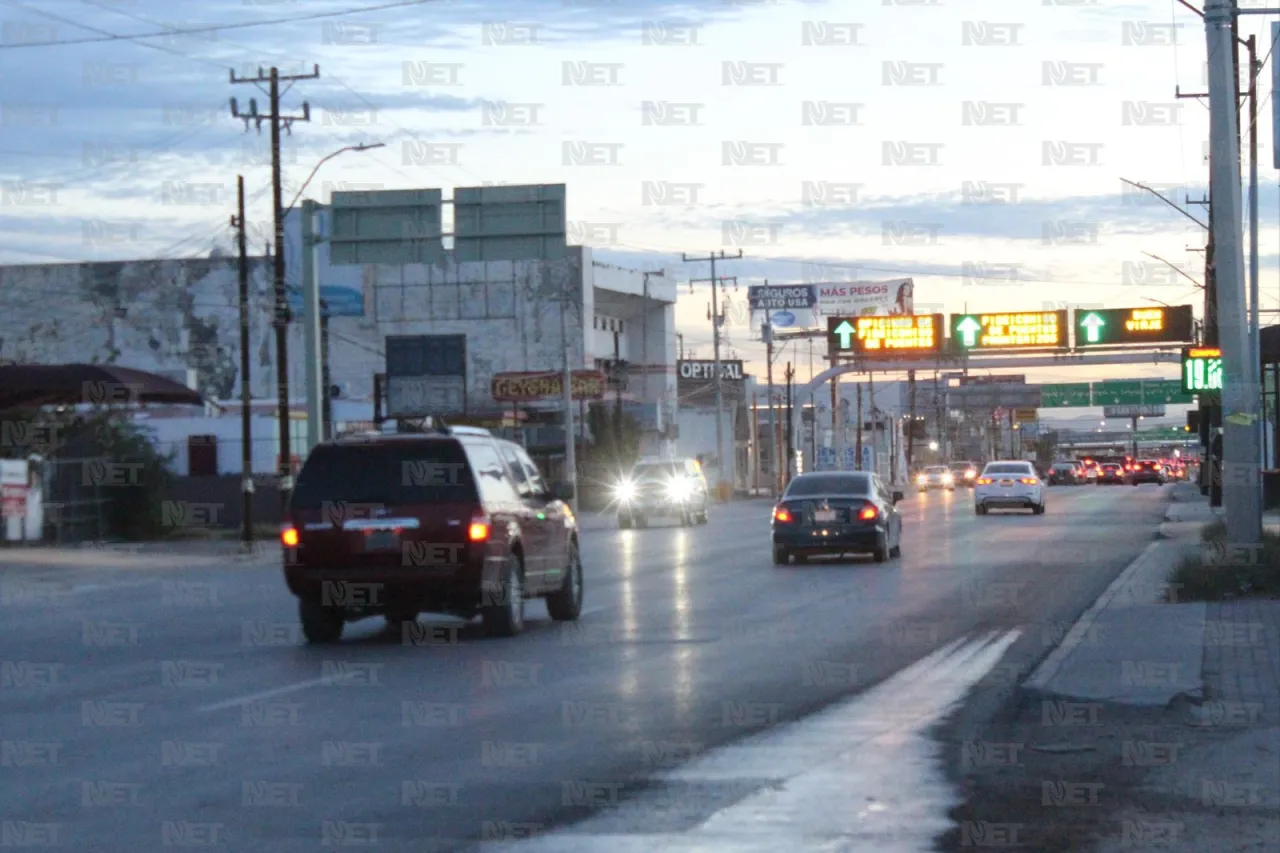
(144, 709)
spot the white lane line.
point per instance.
(269, 694)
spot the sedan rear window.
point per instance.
(1009, 468)
(857, 485)
(395, 473)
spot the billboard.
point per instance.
(912, 334)
(426, 375)
(894, 297)
(785, 306)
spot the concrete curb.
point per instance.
(1039, 679)
(1147, 631)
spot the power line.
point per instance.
(217, 28)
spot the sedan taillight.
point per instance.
(985, 481)
(783, 515)
(1029, 481)
(868, 513)
(478, 531)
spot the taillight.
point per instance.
(984, 481)
(479, 529)
(289, 536)
(867, 513)
(1029, 481)
(783, 515)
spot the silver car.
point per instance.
(936, 477)
(675, 489)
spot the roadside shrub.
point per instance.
(1220, 571)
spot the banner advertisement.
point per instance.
(866, 298)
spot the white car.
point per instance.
(936, 477)
(1008, 485)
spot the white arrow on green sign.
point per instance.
(1092, 325)
(845, 332)
(968, 328)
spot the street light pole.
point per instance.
(1240, 478)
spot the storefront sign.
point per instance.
(548, 385)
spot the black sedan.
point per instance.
(1146, 471)
(1065, 474)
(837, 512)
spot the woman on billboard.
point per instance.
(905, 300)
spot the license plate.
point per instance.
(1006, 482)
(381, 540)
(824, 515)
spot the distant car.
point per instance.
(453, 521)
(1065, 474)
(1146, 471)
(1009, 485)
(936, 477)
(964, 473)
(837, 512)
(663, 488)
(1110, 474)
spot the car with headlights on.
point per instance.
(936, 477)
(1010, 484)
(963, 473)
(836, 513)
(663, 488)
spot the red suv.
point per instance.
(453, 521)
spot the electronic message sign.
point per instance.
(904, 335)
(1120, 326)
(1201, 369)
(1004, 331)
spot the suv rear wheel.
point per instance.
(506, 618)
(565, 604)
(320, 625)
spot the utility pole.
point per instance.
(715, 337)
(766, 330)
(911, 423)
(791, 442)
(1241, 492)
(857, 459)
(680, 346)
(277, 122)
(325, 378)
(246, 400)
(617, 396)
(570, 451)
(1255, 334)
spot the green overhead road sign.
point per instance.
(967, 328)
(1124, 392)
(1092, 325)
(1165, 391)
(845, 333)
(1067, 396)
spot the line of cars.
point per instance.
(1116, 471)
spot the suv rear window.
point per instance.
(395, 473)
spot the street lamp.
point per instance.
(325, 159)
(315, 331)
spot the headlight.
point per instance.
(922, 479)
(947, 478)
(679, 489)
(625, 491)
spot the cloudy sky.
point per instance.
(828, 141)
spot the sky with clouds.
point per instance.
(828, 141)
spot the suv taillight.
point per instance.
(289, 535)
(478, 531)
